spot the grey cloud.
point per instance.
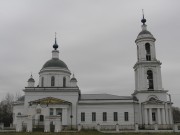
(96, 40)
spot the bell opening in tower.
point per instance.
(150, 80)
(148, 52)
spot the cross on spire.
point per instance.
(143, 19)
(55, 46)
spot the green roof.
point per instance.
(55, 63)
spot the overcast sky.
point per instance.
(96, 41)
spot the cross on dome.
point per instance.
(55, 46)
(143, 19)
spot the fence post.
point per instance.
(98, 127)
(57, 125)
(79, 127)
(175, 128)
(156, 127)
(29, 125)
(19, 125)
(117, 127)
(46, 125)
(136, 127)
(2, 126)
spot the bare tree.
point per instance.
(6, 108)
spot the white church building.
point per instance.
(57, 103)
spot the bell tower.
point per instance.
(147, 68)
(153, 105)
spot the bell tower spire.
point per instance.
(148, 82)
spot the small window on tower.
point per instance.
(64, 82)
(42, 82)
(150, 80)
(148, 52)
(138, 52)
(52, 81)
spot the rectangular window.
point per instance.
(82, 116)
(58, 111)
(126, 116)
(104, 116)
(51, 111)
(115, 116)
(154, 116)
(93, 116)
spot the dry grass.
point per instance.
(87, 132)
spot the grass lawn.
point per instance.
(87, 133)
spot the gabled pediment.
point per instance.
(153, 101)
(49, 100)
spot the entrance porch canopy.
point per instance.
(49, 101)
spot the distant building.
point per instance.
(58, 104)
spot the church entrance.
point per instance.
(41, 118)
(52, 126)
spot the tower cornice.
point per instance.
(144, 38)
(149, 91)
(147, 63)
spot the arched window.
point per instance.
(148, 52)
(52, 81)
(64, 82)
(42, 82)
(150, 79)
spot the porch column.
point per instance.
(47, 125)
(19, 125)
(29, 125)
(150, 115)
(170, 116)
(145, 116)
(163, 116)
(64, 116)
(159, 116)
(166, 112)
(57, 125)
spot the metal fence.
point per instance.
(38, 125)
(152, 127)
(126, 127)
(107, 127)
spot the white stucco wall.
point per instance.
(110, 109)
